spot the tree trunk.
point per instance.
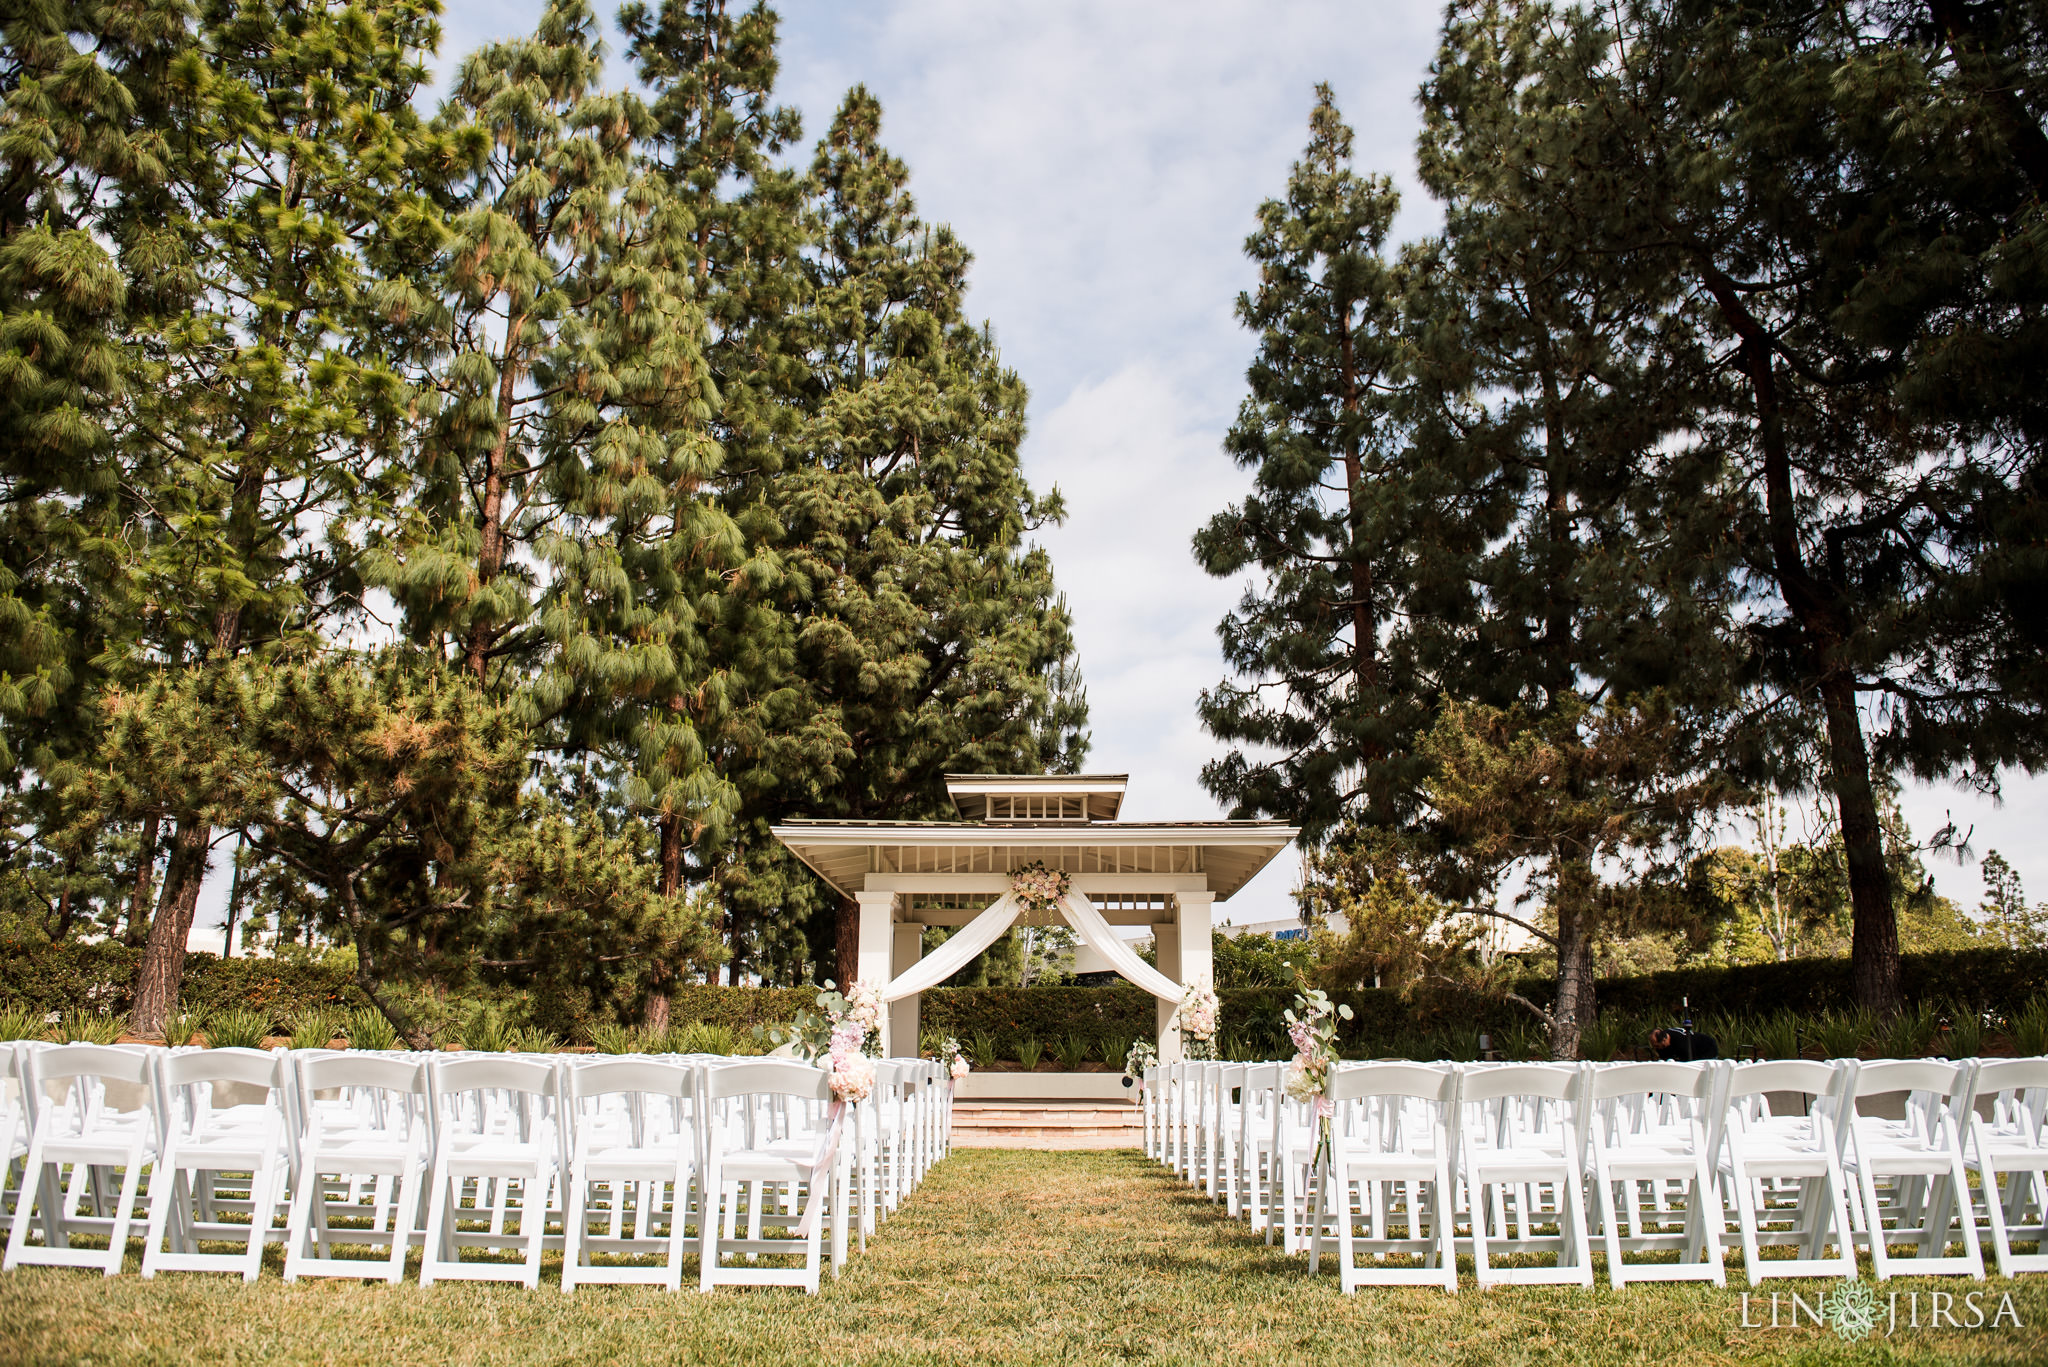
(1575, 930)
(163, 958)
(1874, 942)
(490, 557)
(671, 827)
(227, 939)
(657, 1014)
(145, 882)
(1824, 623)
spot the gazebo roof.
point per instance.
(1225, 854)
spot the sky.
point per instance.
(1105, 163)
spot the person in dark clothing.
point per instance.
(1682, 1045)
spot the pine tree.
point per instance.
(270, 148)
(540, 155)
(1324, 525)
(2005, 908)
(715, 145)
(922, 628)
(1591, 665)
(1838, 192)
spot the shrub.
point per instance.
(1028, 1051)
(1965, 1035)
(89, 1027)
(1842, 1034)
(237, 1029)
(1910, 1034)
(1072, 1050)
(534, 1039)
(181, 1026)
(2030, 1028)
(18, 1022)
(315, 1028)
(367, 1029)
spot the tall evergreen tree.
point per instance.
(1837, 185)
(921, 627)
(1594, 648)
(262, 406)
(1325, 526)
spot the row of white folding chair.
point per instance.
(902, 1132)
(1688, 1136)
(358, 1124)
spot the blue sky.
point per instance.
(1104, 162)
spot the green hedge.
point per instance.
(45, 978)
(1041, 1013)
(2001, 980)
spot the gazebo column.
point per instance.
(903, 1013)
(1197, 945)
(877, 949)
(1166, 940)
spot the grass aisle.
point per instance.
(1001, 1256)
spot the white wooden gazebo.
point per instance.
(907, 875)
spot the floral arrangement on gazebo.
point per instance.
(1198, 1015)
(1037, 887)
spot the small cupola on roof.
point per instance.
(1063, 799)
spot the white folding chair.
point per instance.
(493, 1127)
(2013, 1142)
(1290, 1160)
(1258, 1100)
(1226, 1080)
(14, 1122)
(771, 1127)
(225, 1113)
(94, 1107)
(1646, 1127)
(1909, 1173)
(635, 1141)
(1762, 1153)
(1519, 1155)
(359, 1115)
(1391, 1146)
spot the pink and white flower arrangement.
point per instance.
(864, 1006)
(853, 1073)
(1198, 1015)
(1141, 1057)
(1313, 1033)
(1038, 888)
(954, 1057)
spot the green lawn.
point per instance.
(1001, 1256)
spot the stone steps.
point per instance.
(1026, 1124)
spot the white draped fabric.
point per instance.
(952, 956)
(1082, 916)
(985, 929)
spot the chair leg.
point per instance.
(572, 1227)
(437, 1219)
(171, 1179)
(533, 1217)
(117, 1238)
(1317, 1178)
